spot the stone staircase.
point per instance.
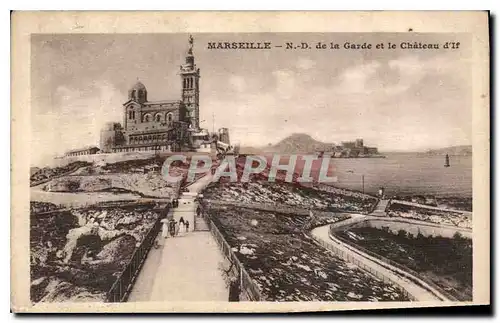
(200, 224)
(380, 209)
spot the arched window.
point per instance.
(169, 118)
(158, 117)
(146, 118)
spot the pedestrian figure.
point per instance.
(176, 228)
(182, 223)
(187, 226)
(164, 233)
(164, 228)
(172, 228)
(198, 211)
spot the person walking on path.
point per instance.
(172, 225)
(182, 224)
(187, 226)
(176, 226)
(164, 228)
(163, 234)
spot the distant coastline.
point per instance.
(451, 151)
(331, 155)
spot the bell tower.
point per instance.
(190, 76)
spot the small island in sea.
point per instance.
(305, 144)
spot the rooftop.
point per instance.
(162, 102)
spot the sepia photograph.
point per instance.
(243, 167)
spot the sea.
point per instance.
(404, 174)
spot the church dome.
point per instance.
(138, 92)
(138, 86)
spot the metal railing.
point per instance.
(247, 284)
(122, 287)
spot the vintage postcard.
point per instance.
(249, 162)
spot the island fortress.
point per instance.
(166, 125)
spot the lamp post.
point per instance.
(363, 182)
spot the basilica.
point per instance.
(166, 125)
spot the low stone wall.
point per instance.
(111, 158)
(423, 206)
(336, 190)
(276, 208)
(415, 227)
(409, 225)
(104, 158)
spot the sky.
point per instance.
(395, 99)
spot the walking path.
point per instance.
(186, 267)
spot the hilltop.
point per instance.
(298, 143)
(295, 143)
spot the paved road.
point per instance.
(184, 268)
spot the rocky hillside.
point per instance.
(298, 143)
(76, 255)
